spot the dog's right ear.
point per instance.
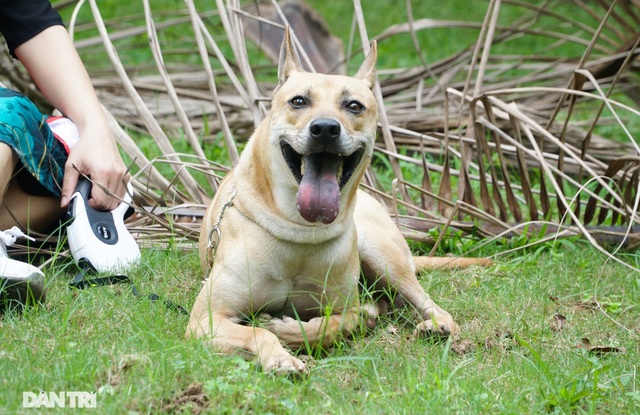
(288, 62)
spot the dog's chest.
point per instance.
(307, 277)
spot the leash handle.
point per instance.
(81, 282)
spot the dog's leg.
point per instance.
(322, 331)
(229, 337)
(387, 263)
(398, 275)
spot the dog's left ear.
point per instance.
(367, 71)
(288, 62)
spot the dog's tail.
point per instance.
(428, 262)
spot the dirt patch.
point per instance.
(191, 399)
(503, 341)
(463, 347)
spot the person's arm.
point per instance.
(54, 64)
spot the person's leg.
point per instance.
(18, 207)
(20, 283)
(8, 160)
(28, 211)
(26, 143)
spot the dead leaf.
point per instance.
(586, 306)
(599, 350)
(558, 322)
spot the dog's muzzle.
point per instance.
(320, 176)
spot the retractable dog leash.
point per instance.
(99, 240)
(101, 244)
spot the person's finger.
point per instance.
(69, 183)
(100, 200)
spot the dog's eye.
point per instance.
(354, 107)
(298, 102)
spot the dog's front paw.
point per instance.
(285, 365)
(440, 326)
(371, 312)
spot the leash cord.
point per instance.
(85, 279)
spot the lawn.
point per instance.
(513, 356)
(550, 328)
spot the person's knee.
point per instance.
(8, 160)
(10, 101)
(17, 111)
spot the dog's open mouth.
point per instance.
(320, 176)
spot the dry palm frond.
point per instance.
(506, 139)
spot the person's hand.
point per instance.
(96, 156)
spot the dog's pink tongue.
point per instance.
(318, 196)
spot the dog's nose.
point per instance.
(325, 129)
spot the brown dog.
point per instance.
(288, 232)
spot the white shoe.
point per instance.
(20, 283)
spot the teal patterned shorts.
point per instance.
(42, 156)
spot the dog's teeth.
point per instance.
(339, 175)
(302, 167)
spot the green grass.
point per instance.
(508, 360)
(133, 352)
